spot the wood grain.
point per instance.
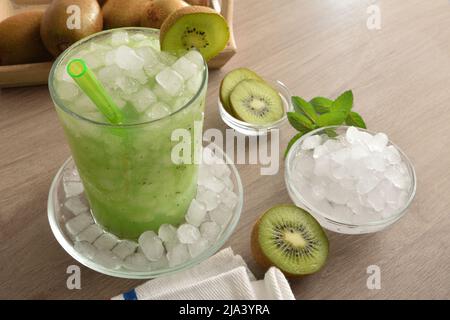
(401, 79)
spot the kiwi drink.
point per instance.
(127, 171)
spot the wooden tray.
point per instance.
(22, 75)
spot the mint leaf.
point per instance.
(331, 119)
(300, 122)
(355, 119)
(321, 104)
(330, 132)
(343, 103)
(292, 141)
(304, 107)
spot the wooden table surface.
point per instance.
(400, 76)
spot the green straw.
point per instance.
(89, 84)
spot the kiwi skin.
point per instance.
(204, 3)
(54, 32)
(156, 11)
(257, 252)
(20, 41)
(120, 13)
(173, 18)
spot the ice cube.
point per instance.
(376, 162)
(198, 247)
(148, 54)
(171, 81)
(399, 179)
(153, 69)
(194, 83)
(138, 75)
(208, 197)
(151, 245)
(76, 205)
(143, 99)
(128, 59)
(158, 110)
(195, 57)
(228, 183)
(72, 188)
(333, 145)
(358, 152)
(166, 58)
(228, 198)
(392, 155)
(167, 233)
(185, 67)
(138, 37)
(376, 199)
(162, 263)
(67, 90)
(221, 215)
(108, 75)
(119, 37)
(355, 205)
(311, 142)
(335, 193)
(188, 233)
(137, 262)
(180, 102)
(90, 234)
(79, 223)
(352, 135)
(367, 184)
(319, 152)
(108, 259)
(379, 142)
(71, 175)
(322, 167)
(128, 85)
(220, 170)
(162, 94)
(213, 184)
(196, 213)
(341, 156)
(85, 249)
(106, 241)
(210, 231)
(124, 248)
(178, 255)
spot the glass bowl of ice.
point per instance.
(208, 223)
(351, 180)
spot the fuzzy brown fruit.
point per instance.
(20, 41)
(156, 11)
(204, 3)
(59, 28)
(120, 13)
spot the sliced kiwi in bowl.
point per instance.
(196, 27)
(231, 80)
(291, 239)
(256, 102)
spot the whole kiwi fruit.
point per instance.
(291, 239)
(204, 3)
(58, 34)
(156, 11)
(20, 41)
(120, 13)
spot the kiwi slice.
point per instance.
(256, 102)
(230, 81)
(291, 239)
(195, 27)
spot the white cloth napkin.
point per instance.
(224, 276)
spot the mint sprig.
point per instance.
(322, 112)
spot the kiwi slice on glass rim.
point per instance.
(256, 102)
(195, 27)
(291, 239)
(230, 81)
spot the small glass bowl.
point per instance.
(58, 216)
(324, 218)
(255, 129)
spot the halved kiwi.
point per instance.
(195, 27)
(291, 239)
(230, 81)
(256, 102)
